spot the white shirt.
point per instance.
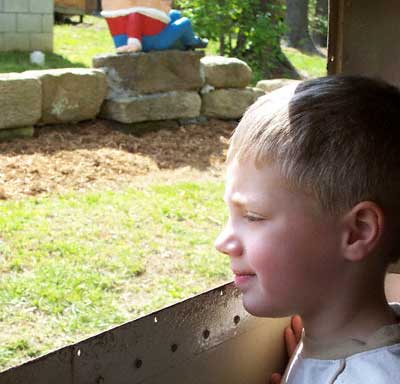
(378, 362)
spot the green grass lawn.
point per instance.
(309, 66)
(77, 264)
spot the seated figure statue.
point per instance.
(147, 25)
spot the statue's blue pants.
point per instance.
(179, 30)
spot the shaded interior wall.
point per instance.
(364, 38)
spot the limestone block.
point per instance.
(71, 94)
(47, 23)
(41, 41)
(20, 100)
(29, 23)
(16, 6)
(160, 106)
(8, 22)
(229, 103)
(42, 6)
(16, 41)
(152, 72)
(226, 72)
(273, 84)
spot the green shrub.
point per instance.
(248, 29)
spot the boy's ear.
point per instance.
(363, 229)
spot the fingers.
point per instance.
(293, 334)
(297, 327)
(276, 378)
(290, 341)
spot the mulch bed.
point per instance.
(93, 155)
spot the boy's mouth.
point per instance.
(241, 278)
(236, 272)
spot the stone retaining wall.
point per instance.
(175, 85)
(134, 88)
(226, 93)
(26, 25)
(161, 85)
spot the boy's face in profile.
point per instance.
(284, 251)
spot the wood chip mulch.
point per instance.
(91, 155)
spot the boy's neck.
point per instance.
(356, 317)
(385, 336)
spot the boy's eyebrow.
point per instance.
(236, 199)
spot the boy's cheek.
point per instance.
(278, 266)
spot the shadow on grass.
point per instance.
(19, 62)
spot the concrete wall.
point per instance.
(26, 25)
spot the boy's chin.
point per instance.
(258, 310)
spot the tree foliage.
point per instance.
(319, 21)
(306, 18)
(247, 29)
(297, 20)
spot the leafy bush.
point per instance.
(318, 20)
(247, 29)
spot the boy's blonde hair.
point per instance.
(335, 137)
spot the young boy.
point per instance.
(313, 186)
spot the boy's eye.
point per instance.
(251, 217)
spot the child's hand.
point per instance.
(292, 335)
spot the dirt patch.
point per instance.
(92, 155)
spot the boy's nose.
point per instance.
(228, 243)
